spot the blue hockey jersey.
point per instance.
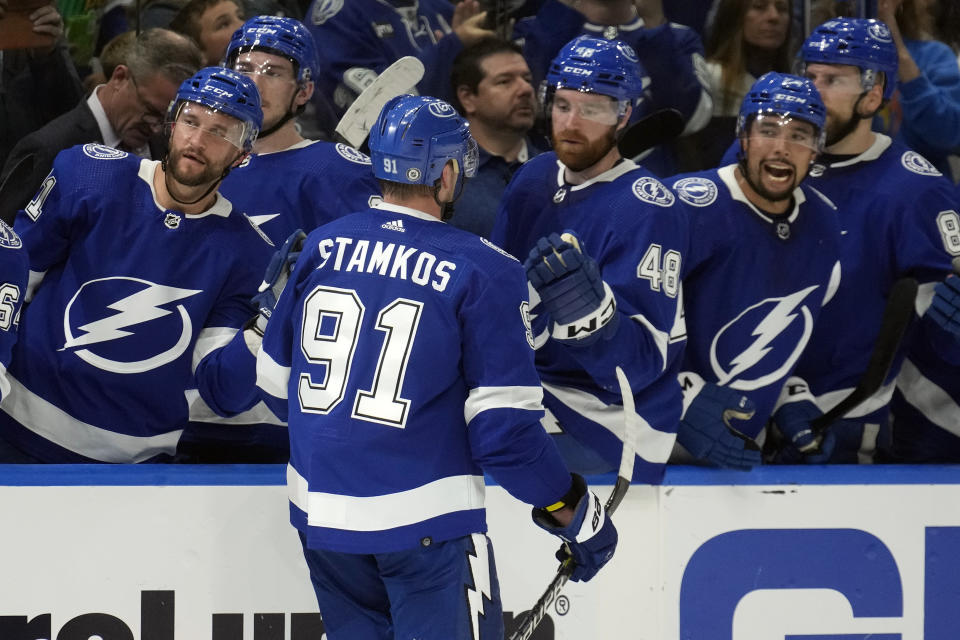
(755, 287)
(132, 297)
(303, 187)
(898, 218)
(14, 266)
(401, 350)
(356, 40)
(632, 226)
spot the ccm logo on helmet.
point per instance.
(223, 93)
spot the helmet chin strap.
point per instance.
(446, 208)
(213, 185)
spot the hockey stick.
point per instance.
(649, 131)
(539, 610)
(896, 317)
(397, 79)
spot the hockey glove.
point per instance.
(945, 308)
(590, 538)
(705, 430)
(800, 444)
(568, 282)
(275, 279)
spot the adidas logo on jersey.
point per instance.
(394, 225)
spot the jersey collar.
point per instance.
(611, 174)
(221, 206)
(880, 144)
(727, 175)
(396, 208)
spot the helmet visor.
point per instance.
(214, 126)
(471, 159)
(781, 129)
(837, 79)
(595, 107)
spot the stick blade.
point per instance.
(399, 78)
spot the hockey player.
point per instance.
(897, 214)
(13, 287)
(288, 183)
(633, 240)
(401, 392)
(360, 38)
(764, 262)
(670, 53)
(139, 270)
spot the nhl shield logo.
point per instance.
(817, 170)
(560, 195)
(611, 32)
(783, 230)
(172, 220)
(651, 190)
(413, 174)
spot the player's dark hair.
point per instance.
(160, 51)
(403, 191)
(187, 20)
(466, 66)
(725, 44)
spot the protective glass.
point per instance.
(776, 128)
(270, 71)
(216, 127)
(594, 107)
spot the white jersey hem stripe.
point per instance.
(271, 376)
(650, 444)
(928, 398)
(379, 513)
(54, 424)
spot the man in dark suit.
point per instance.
(124, 113)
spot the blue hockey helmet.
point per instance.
(782, 94)
(415, 136)
(859, 42)
(596, 65)
(225, 91)
(285, 37)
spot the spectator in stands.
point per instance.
(358, 39)
(36, 85)
(928, 100)
(124, 113)
(210, 23)
(746, 39)
(494, 93)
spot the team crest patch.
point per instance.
(697, 191)
(323, 10)
(351, 154)
(441, 109)
(8, 237)
(652, 190)
(879, 32)
(172, 221)
(913, 161)
(497, 249)
(103, 152)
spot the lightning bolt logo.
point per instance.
(480, 572)
(142, 306)
(773, 324)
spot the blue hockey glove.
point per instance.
(705, 430)
(275, 279)
(568, 282)
(590, 538)
(945, 308)
(800, 444)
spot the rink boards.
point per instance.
(197, 553)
